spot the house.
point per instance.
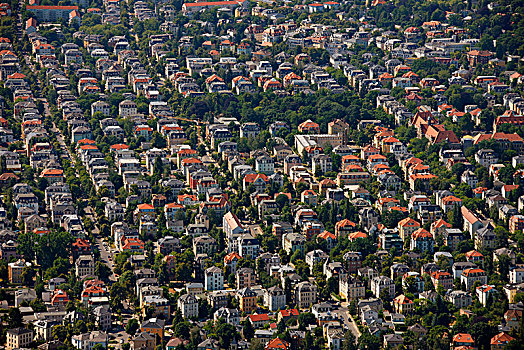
(214, 279)
(316, 257)
(143, 340)
(277, 344)
(233, 230)
(500, 341)
(407, 227)
(475, 257)
(329, 238)
(305, 294)
(452, 237)
(516, 223)
(485, 238)
(231, 316)
(249, 130)
(287, 314)
(351, 288)
(154, 327)
(18, 338)
(258, 181)
(321, 163)
(486, 157)
(513, 318)
(463, 340)
(412, 279)
(459, 298)
(477, 57)
(293, 242)
(274, 298)
(442, 278)
(403, 305)
(245, 277)
(247, 300)
(188, 306)
(85, 266)
(204, 245)
(265, 165)
(344, 228)
(89, 340)
(422, 240)
(516, 275)
(309, 197)
(51, 13)
(471, 223)
(469, 178)
(393, 340)
(483, 293)
(383, 285)
(309, 127)
(15, 270)
(470, 276)
(258, 321)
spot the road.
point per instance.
(66, 152)
(343, 312)
(105, 255)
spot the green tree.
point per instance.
(247, 329)
(368, 341)
(14, 318)
(132, 326)
(102, 271)
(349, 342)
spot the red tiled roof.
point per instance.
(463, 338)
(421, 233)
(289, 312)
(211, 3)
(42, 7)
(258, 318)
(501, 338)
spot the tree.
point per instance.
(455, 217)
(132, 326)
(247, 330)
(256, 344)
(503, 264)
(226, 333)
(102, 271)
(349, 342)
(182, 330)
(368, 341)
(391, 218)
(305, 319)
(282, 200)
(28, 273)
(14, 318)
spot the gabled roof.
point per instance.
(463, 338)
(259, 318)
(277, 343)
(408, 222)
(145, 206)
(327, 235)
(501, 338)
(421, 233)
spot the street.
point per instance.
(348, 320)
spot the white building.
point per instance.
(214, 279)
(188, 306)
(383, 283)
(274, 298)
(516, 275)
